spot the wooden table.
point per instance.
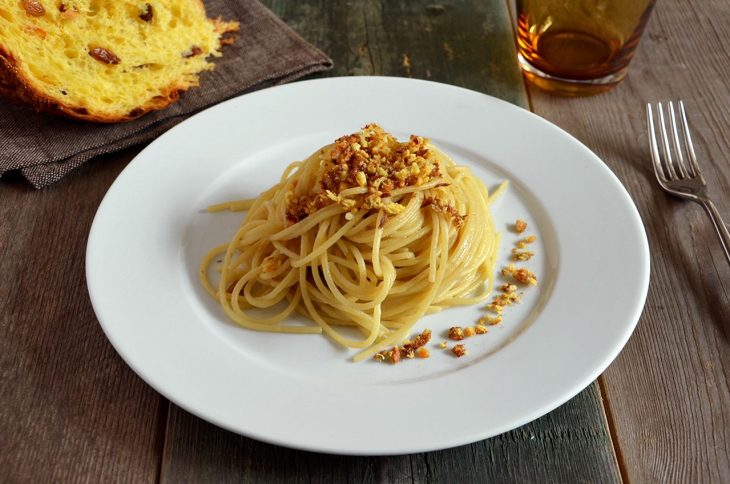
(71, 410)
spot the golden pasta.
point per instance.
(368, 233)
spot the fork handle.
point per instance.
(720, 226)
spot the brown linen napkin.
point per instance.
(266, 52)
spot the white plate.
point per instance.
(302, 391)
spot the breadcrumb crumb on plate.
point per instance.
(459, 350)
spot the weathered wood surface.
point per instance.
(465, 43)
(70, 409)
(667, 393)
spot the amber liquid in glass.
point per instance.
(579, 45)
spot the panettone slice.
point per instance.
(105, 60)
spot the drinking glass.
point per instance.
(579, 47)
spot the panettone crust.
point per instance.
(18, 87)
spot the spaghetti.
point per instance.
(368, 234)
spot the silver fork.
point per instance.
(676, 175)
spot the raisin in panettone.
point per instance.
(105, 60)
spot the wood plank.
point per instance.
(567, 445)
(668, 390)
(464, 43)
(468, 44)
(71, 409)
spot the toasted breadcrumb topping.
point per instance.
(521, 275)
(409, 349)
(419, 340)
(490, 320)
(509, 270)
(522, 255)
(372, 159)
(459, 350)
(439, 206)
(393, 355)
(525, 276)
(456, 333)
(508, 288)
(521, 244)
(508, 292)
(495, 308)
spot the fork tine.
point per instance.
(665, 144)
(679, 165)
(653, 146)
(688, 143)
